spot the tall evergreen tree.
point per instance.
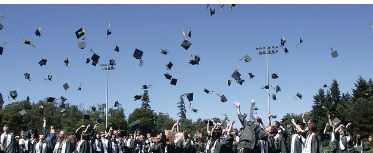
(181, 106)
(361, 89)
(145, 100)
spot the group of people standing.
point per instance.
(252, 137)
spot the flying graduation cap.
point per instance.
(2, 48)
(138, 55)
(247, 58)
(237, 76)
(186, 44)
(116, 49)
(43, 62)
(274, 97)
(168, 76)
(27, 76)
(67, 63)
(79, 33)
(189, 96)
(80, 86)
(51, 99)
(116, 104)
(222, 97)
(81, 44)
(146, 86)
(231, 6)
(169, 65)
(274, 76)
(299, 95)
(95, 59)
(188, 33)
(207, 91)
(28, 42)
(212, 11)
(173, 81)
(283, 41)
(195, 61)
(277, 88)
(50, 77)
(37, 32)
(300, 41)
(251, 75)
(164, 51)
(229, 82)
(108, 31)
(221, 7)
(286, 50)
(13, 94)
(22, 112)
(138, 97)
(334, 53)
(65, 86)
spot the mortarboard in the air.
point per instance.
(337, 120)
(138, 53)
(67, 63)
(116, 104)
(23, 112)
(116, 49)
(169, 66)
(88, 60)
(195, 61)
(37, 32)
(1, 26)
(251, 75)
(81, 45)
(265, 87)
(13, 94)
(189, 96)
(63, 99)
(195, 110)
(27, 42)
(41, 107)
(80, 86)
(43, 62)
(334, 54)
(168, 76)
(134, 124)
(86, 117)
(283, 41)
(50, 77)
(286, 50)
(112, 62)
(79, 33)
(63, 110)
(247, 58)
(164, 51)
(207, 91)
(1, 50)
(229, 82)
(188, 33)
(93, 108)
(210, 122)
(300, 42)
(212, 11)
(98, 121)
(137, 97)
(231, 6)
(95, 59)
(108, 32)
(274, 97)
(299, 95)
(222, 98)
(325, 85)
(278, 88)
(274, 76)
(186, 44)
(65, 86)
(256, 108)
(51, 99)
(27, 76)
(173, 81)
(221, 7)
(240, 81)
(146, 86)
(236, 75)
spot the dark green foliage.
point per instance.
(147, 122)
(145, 100)
(181, 106)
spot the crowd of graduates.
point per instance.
(253, 136)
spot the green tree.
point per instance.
(363, 117)
(145, 100)
(118, 119)
(163, 122)
(181, 106)
(146, 117)
(361, 89)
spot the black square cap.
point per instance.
(79, 33)
(43, 62)
(67, 63)
(50, 77)
(231, 6)
(88, 60)
(223, 98)
(240, 81)
(286, 50)
(337, 120)
(164, 51)
(278, 88)
(169, 65)
(116, 49)
(195, 110)
(65, 86)
(37, 32)
(274, 97)
(168, 76)
(325, 85)
(95, 59)
(265, 87)
(334, 54)
(251, 75)
(1, 26)
(27, 76)
(274, 76)
(138, 53)
(207, 91)
(13, 94)
(173, 81)
(229, 82)
(41, 107)
(210, 122)
(188, 33)
(300, 123)
(299, 95)
(1, 98)
(116, 104)
(86, 117)
(63, 99)
(134, 124)
(236, 75)
(146, 86)
(51, 99)
(1, 50)
(93, 108)
(212, 11)
(283, 41)
(189, 96)
(138, 97)
(186, 44)
(81, 45)
(108, 32)
(80, 86)
(195, 61)
(247, 58)
(23, 112)
(98, 121)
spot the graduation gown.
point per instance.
(83, 147)
(10, 143)
(50, 140)
(297, 143)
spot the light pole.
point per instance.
(266, 51)
(107, 67)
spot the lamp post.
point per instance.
(266, 51)
(107, 67)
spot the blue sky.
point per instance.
(220, 41)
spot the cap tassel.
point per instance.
(141, 62)
(3, 43)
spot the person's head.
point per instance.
(358, 136)
(51, 130)
(342, 131)
(276, 124)
(198, 131)
(5, 128)
(72, 138)
(85, 136)
(216, 133)
(62, 135)
(130, 136)
(102, 134)
(312, 126)
(113, 136)
(41, 138)
(21, 134)
(233, 132)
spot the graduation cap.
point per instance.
(247, 58)
(65, 86)
(98, 121)
(81, 45)
(299, 95)
(188, 33)
(251, 75)
(195, 110)
(221, 7)
(134, 124)
(229, 82)
(116, 49)
(164, 51)
(23, 112)
(325, 85)
(300, 41)
(195, 61)
(43, 62)
(37, 32)
(41, 107)
(13, 94)
(137, 53)
(63, 99)
(278, 88)
(51, 99)
(236, 75)
(138, 97)
(240, 81)
(173, 81)
(67, 63)
(80, 86)
(169, 66)
(334, 54)
(274, 76)
(116, 104)
(231, 6)
(210, 122)
(27, 42)
(286, 50)
(207, 91)
(79, 33)
(283, 41)
(189, 96)
(186, 44)
(222, 98)
(93, 108)
(274, 97)
(212, 11)
(108, 32)
(146, 86)
(63, 110)
(337, 120)
(88, 60)
(50, 77)
(265, 87)
(86, 117)
(95, 59)
(27, 76)
(168, 76)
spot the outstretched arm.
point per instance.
(297, 126)
(269, 119)
(326, 128)
(208, 125)
(237, 104)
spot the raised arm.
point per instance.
(330, 120)
(86, 129)
(269, 119)
(237, 104)
(208, 126)
(297, 126)
(326, 128)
